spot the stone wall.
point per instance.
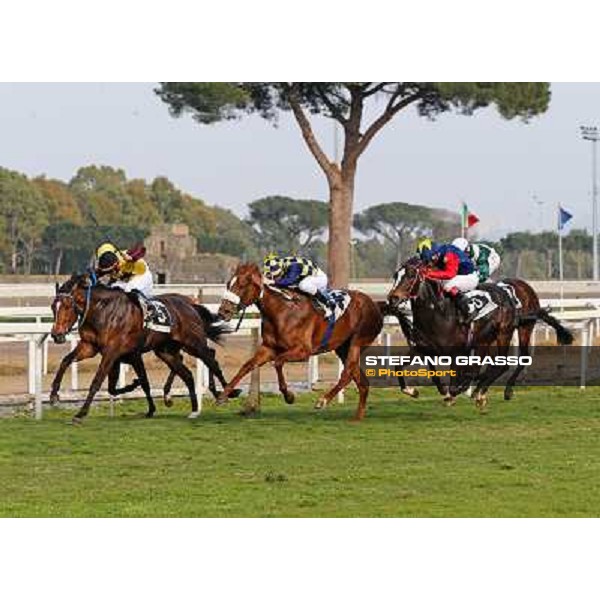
(173, 257)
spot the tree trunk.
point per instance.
(341, 199)
(58, 263)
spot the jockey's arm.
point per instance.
(450, 270)
(291, 276)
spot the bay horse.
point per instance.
(111, 324)
(293, 330)
(437, 326)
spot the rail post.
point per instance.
(39, 345)
(74, 369)
(252, 404)
(585, 326)
(340, 396)
(31, 365)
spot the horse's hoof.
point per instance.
(54, 399)
(221, 399)
(194, 414)
(481, 401)
(450, 400)
(411, 392)
(168, 401)
(149, 415)
(320, 403)
(289, 398)
(235, 393)
(76, 420)
(509, 395)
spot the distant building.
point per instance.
(173, 256)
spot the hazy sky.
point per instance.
(496, 166)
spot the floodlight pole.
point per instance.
(592, 134)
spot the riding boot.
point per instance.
(326, 299)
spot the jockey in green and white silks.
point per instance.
(484, 257)
(298, 272)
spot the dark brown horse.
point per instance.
(438, 328)
(111, 324)
(293, 330)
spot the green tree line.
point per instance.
(52, 227)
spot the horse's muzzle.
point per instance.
(226, 310)
(58, 338)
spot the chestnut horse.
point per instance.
(111, 324)
(293, 329)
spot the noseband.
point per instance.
(232, 297)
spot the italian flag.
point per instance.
(468, 219)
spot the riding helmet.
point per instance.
(107, 261)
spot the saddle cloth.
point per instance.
(342, 300)
(156, 315)
(480, 304)
(341, 297)
(512, 294)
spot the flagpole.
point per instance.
(560, 258)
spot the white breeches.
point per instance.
(314, 283)
(465, 283)
(493, 261)
(143, 283)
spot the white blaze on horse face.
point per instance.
(398, 277)
(231, 297)
(232, 282)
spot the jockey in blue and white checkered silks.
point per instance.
(298, 272)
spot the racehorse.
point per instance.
(111, 324)
(293, 329)
(437, 326)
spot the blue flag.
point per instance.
(563, 217)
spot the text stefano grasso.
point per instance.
(446, 361)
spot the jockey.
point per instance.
(127, 269)
(485, 258)
(451, 266)
(300, 272)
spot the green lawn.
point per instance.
(538, 455)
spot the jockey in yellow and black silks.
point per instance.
(126, 268)
(299, 272)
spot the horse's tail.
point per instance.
(215, 326)
(563, 335)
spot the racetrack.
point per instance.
(537, 455)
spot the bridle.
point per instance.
(234, 299)
(413, 290)
(81, 313)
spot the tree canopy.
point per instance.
(287, 224)
(346, 103)
(401, 224)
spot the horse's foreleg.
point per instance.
(263, 355)
(82, 351)
(106, 364)
(288, 396)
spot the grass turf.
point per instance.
(537, 455)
